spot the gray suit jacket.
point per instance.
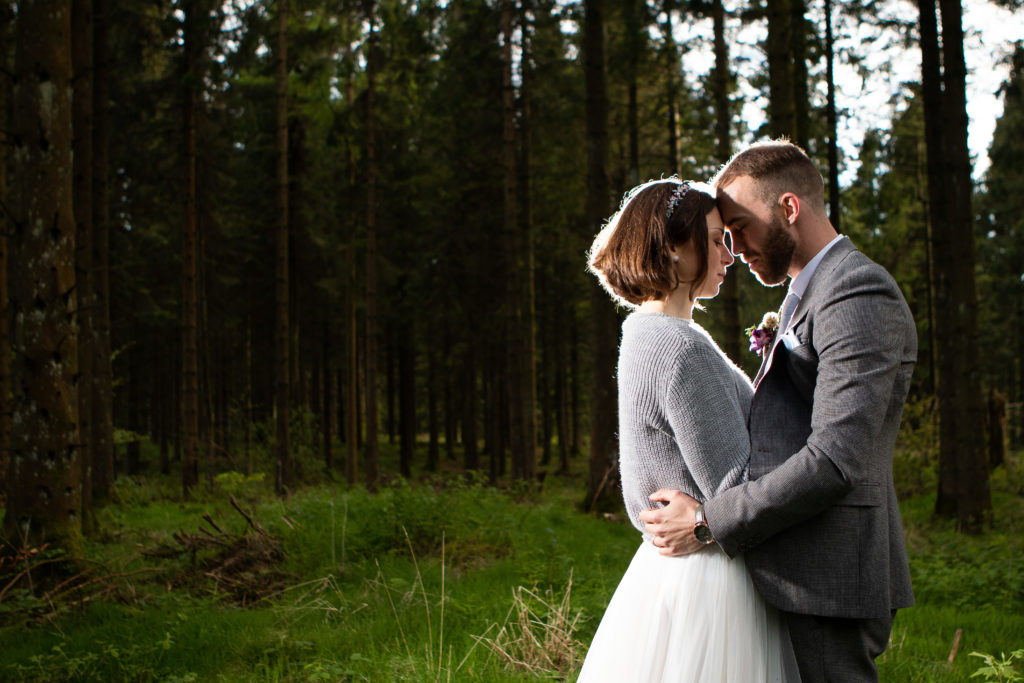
(818, 521)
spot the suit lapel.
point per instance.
(823, 272)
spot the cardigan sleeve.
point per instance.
(707, 416)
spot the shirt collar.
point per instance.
(799, 284)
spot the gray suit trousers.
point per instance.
(837, 650)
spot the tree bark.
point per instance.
(779, 45)
(470, 451)
(283, 323)
(82, 112)
(372, 453)
(801, 96)
(327, 407)
(634, 39)
(529, 294)
(720, 77)
(189, 259)
(407, 398)
(351, 375)
(513, 380)
(963, 489)
(6, 227)
(102, 390)
(433, 425)
(44, 495)
(671, 91)
(603, 329)
(832, 122)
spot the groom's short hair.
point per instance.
(778, 166)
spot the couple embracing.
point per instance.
(776, 550)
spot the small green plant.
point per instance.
(1002, 669)
(241, 485)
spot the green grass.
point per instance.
(405, 584)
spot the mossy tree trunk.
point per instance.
(44, 495)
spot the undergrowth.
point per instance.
(444, 579)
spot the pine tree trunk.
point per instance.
(576, 387)
(45, 469)
(407, 398)
(450, 408)
(189, 261)
(801, 97)
(133, 449)
(391, 395)
(470, 451)
(779, 45)
(6, 227)
(634, 40)
(350, 394)
(352, 371)
(514, 381)
(166, 411)
(327, 407)
(206, 361)
(283, 322)
(250, 466)
(370, 347)
(832, 122)
(563, 405)
(546, 407)
(102, 390)
(82, 112)
(433, 426)
(671, 92)
(961, 407)
(494, 434)
(604, 335)
(729, 296)
(529, 294)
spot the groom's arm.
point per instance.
(859, 336)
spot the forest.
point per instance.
(308, 272)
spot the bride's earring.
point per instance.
(675, 258)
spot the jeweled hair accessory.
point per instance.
(673, 199)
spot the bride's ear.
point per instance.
(672, 253)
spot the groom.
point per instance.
(818, 521)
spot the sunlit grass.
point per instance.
(415, 582)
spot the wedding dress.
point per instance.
(693, 619)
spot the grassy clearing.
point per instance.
(437, 581)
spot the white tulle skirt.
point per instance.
(694, 619)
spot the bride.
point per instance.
(683, 410)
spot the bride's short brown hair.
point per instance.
(630, 254)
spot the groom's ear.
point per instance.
(790, 204)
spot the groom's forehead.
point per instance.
(738, 198)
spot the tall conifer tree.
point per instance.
(44, 496)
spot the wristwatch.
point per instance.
(701, 530)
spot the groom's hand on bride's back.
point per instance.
(672, 525)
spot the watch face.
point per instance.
(703, 533)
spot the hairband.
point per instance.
(673, 199)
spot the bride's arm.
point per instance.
(708, 417)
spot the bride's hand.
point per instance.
(672, 525)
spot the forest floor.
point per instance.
(442, 579)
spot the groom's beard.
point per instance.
(776, 254)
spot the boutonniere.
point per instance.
(761, 336)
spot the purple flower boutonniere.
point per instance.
(762, 335)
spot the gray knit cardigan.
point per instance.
(683, 409)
